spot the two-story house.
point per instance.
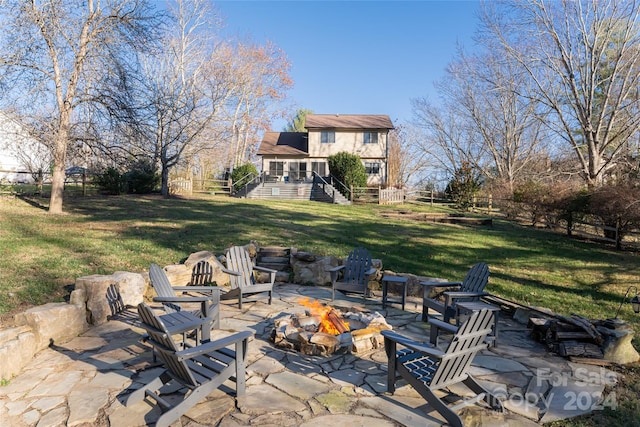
(293, 156)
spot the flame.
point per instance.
(316, 308)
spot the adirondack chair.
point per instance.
(200, 369)
(242, 279)
(470, 289)
(353, 276)
(207, 296)
(428, 369)
(202, 274)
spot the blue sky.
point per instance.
(358, 57)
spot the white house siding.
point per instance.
(12, 169)
(352, 142)
(349, 141)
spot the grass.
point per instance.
(41, 255)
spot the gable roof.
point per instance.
(348, 121)
(284, 143)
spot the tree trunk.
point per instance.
(165, 181)
(59, 160)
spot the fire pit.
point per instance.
(324, 330)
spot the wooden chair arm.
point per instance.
(232, 272)
(450, 297)
(210, 346)
(440, 284)
(184, 299)
(370, 271)
(201, 289)
(184, 326)
(452, 329)
(335, 269)
(413, 345)
(265, 269)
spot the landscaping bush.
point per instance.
(571, 207)
(348, 169)
(618, 206)
(552, 202)
(111, 181)
(142, 178)
(464, 186)
(241, 175)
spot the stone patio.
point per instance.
(84, 381)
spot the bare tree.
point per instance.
(488, 93)
(446, 137)
(405, 159)
(584, 57)
(54, 52)
(259, 82)
(170, 107)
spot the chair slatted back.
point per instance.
(476, 279)
(165, 346)
(160, 282)
(238, 259)
(356, 265)
(464, 346)
(202, 273)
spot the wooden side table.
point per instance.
(394, 280)
(471, 306)
(184, 322)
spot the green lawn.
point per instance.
(41, 255)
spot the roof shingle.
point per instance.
(348, 121)
(284, 143)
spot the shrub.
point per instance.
(571, 207)
(533, 196)
(553, 202)
(111, 181)
(464, 186)
(142, 178)
(241, 175)
(618, 206)
(348, 169)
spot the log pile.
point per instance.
(333, 323)
(573, 336)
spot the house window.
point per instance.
(276, 168)
(320, 168)
(297, 171)
(372, 168)
(371, 137)
(327, 137)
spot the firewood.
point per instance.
(579, 335)
(575, 348)
(588, 327)
(337, 322)
(585, 325)
(557, 325)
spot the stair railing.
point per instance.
(251, 179)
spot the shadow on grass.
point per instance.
(526, 264)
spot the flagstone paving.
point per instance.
(84, 382)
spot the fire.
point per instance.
(330, 321)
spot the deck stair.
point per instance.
(293, 191)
